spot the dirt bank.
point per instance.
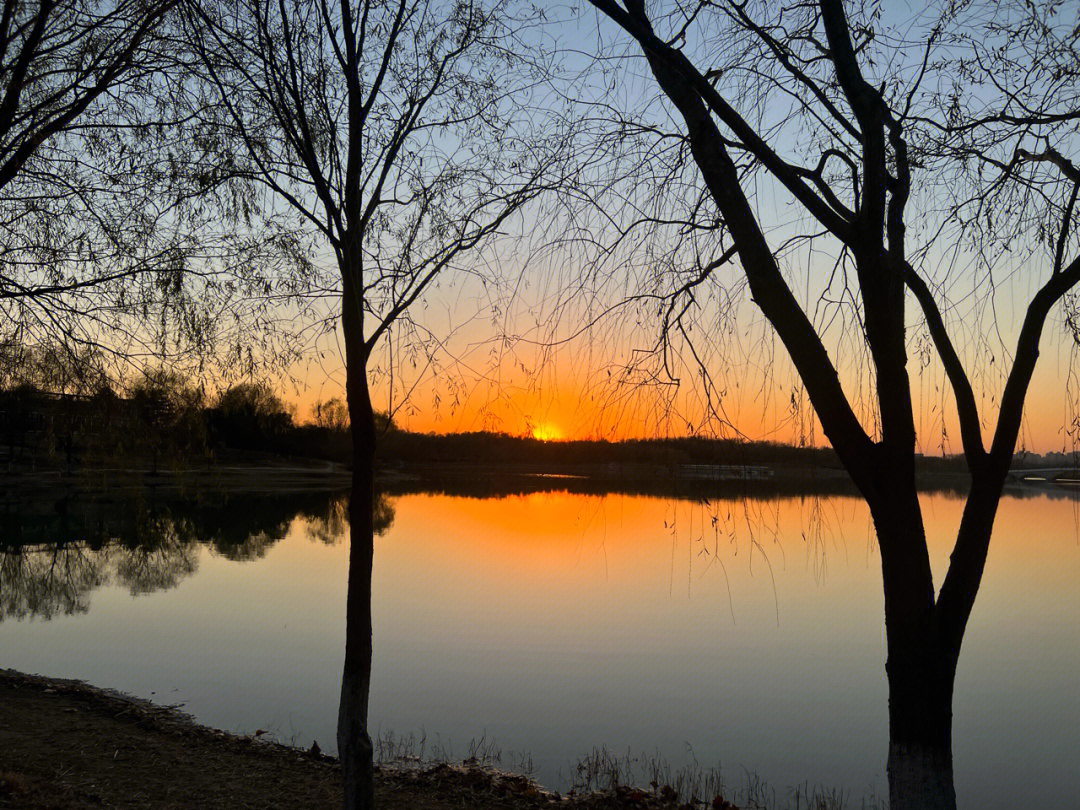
(65, 745)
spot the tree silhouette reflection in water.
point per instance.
(492, 610)
(54, 555)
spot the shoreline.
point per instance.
(278, 474)
(69, 745)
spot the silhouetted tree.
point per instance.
(168, 410)
(249, 415)
(818, 108)
(106, 246)
(332, 414)
(390, 131)
(80, 182)
(44, 391)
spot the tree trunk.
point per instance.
(921, 665)
(354, 741)
(920, 729)
(923, 655)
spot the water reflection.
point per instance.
(55, 554)
(49, 581)
(748, 628)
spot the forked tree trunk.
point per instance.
(924, 634)
(354, 741)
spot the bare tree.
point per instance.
(820, 108)
(105, 247)
(65, 69)
(393, 132)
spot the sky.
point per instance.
(604, 383)
(530, 354)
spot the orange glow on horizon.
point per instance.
(573, 401)
(546, 432)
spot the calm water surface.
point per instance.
(742, 633)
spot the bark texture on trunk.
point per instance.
(921, 676)
(920, 778)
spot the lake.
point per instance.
(745, 633)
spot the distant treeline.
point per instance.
(498, 448)
(159, 419)
(163, 418)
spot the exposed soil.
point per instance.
(65, 745)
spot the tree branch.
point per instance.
(967, 410)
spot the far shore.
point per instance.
(269, 473)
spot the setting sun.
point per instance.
(546, 432)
